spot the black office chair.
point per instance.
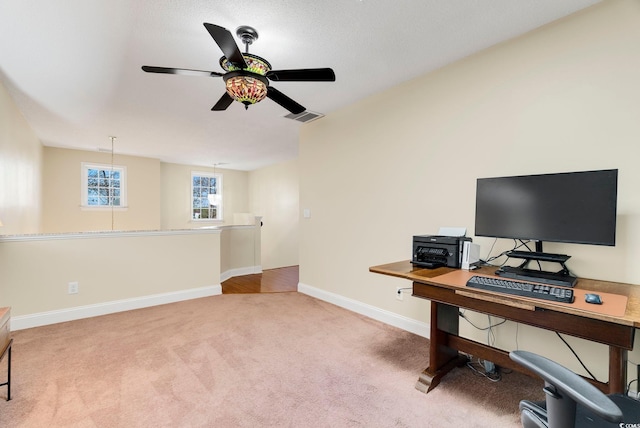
(571, 401)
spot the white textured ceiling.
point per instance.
(73, 66)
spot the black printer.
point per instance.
(432, 251)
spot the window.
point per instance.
(104, 186)
(206, 196)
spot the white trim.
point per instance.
(106, 234)
(219, 193)
(84, 197)
(248, 270)
(103, 208)
(225, 227)
(416, 327)
(210, 221)
(21, 322)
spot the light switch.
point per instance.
(306, 213)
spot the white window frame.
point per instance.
(219, 205)
(85, 167)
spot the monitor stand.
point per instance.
(562, 277)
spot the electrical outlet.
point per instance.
(399, 293)
(72, 288)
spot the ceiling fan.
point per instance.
(246, 75)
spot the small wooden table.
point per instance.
(5, 345)
(613, 323)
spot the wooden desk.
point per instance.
(612, 323)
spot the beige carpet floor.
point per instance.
(243, 360)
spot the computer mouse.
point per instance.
(593, 298)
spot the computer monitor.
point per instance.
(573, 207)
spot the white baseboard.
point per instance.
(382, 315)
(21, 322)
(239, 272)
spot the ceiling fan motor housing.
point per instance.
(247, 34)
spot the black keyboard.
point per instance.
(526, 289)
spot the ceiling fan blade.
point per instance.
(224, 102)
(227, 44)
(303, 75)
(284, 100)
(183, 71)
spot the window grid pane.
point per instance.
(202, 187)
(103, 187)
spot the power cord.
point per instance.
(463, 316)
(576, 355)
(401, 290)
(504, 253)
(486, 368)
(494, 376)
(626, 392)
(491, 337)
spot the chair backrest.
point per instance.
(564, 390)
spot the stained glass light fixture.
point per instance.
(247, 86)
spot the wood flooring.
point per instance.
(269, 281)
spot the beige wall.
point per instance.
(158, 192)
(35, 271)
(274, 195)
(176, 195)
(118, 271)
(158, 199)
(20, 171)
(239, 250)
(62, 193)
(405, 161)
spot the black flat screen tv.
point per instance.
(573, 207)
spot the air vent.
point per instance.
(305, 116)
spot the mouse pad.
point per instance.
(612, 304)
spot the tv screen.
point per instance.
(574, 207)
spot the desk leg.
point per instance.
(442, 358)
(617, 369)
